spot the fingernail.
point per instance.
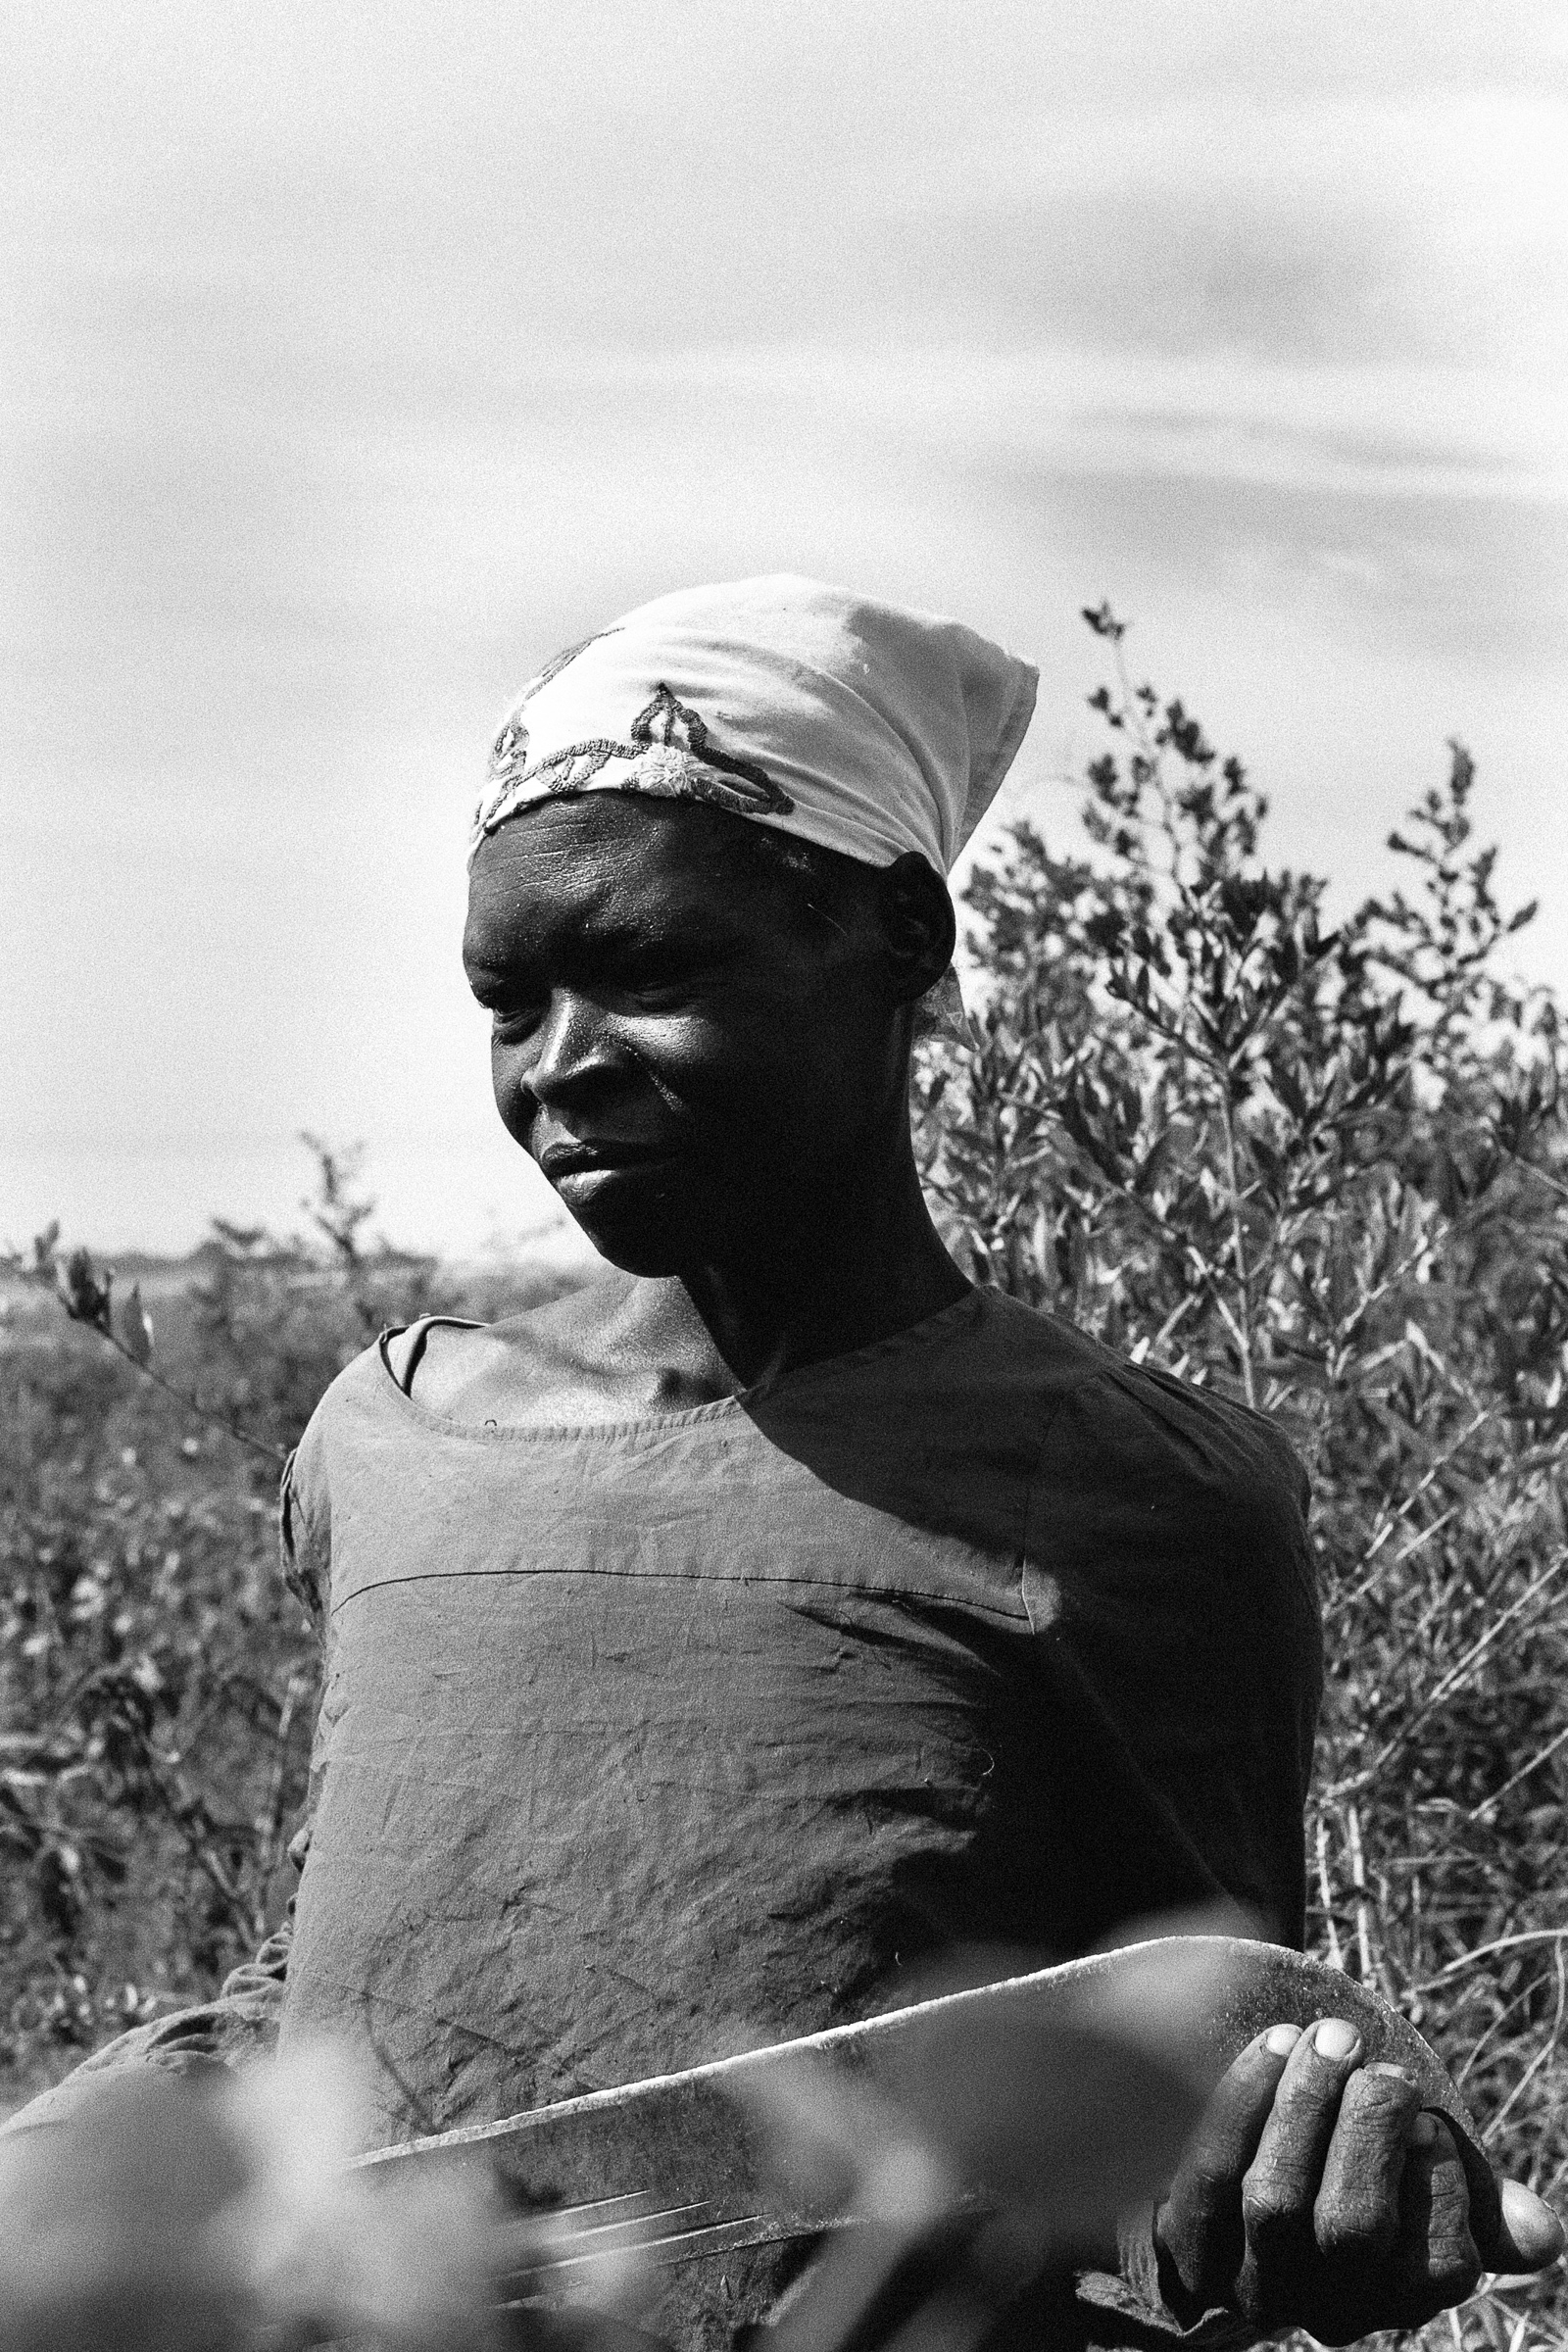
(1424, 2130)
(1282, 2040)
(1529, 2221)
(1334, 2038)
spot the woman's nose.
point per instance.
(569, 1048)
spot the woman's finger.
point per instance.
(1356, 2218)
(1281, 2188)
(1435, 2262)
(1200, 2223)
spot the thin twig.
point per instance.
(1488, 1952)
(1335, 1955)
(1363, 1935)
(1449, 1681)
(1244, 1280)
(1487, 1803)
(192, 1404)
(1541, 2058)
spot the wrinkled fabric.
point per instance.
(641, 1739)
(851, 723)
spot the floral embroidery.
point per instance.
(670, 724)
(671, 756)
(511, 750)
(570, 770)
(509, 757)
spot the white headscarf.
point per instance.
(851, 724)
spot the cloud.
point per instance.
(359, 358)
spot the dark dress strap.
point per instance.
(414, 1337)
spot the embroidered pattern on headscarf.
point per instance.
(673, 723)
(671, 756)
(508, 755)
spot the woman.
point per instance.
(712, 1649)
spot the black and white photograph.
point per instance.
(784, 1176)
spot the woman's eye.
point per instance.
(511, 1022)
(635, 987)
(661, 991)
(660, 983)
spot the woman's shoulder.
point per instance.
(450, 1365)
(1129, 1424)
(438, 1375)
(529, 1367)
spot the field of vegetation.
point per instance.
(1321, 1166)
(158, 1682)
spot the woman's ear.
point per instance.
(918, 928)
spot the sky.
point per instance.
(356, 358)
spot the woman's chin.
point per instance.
(646, 1254)
(639, 1234)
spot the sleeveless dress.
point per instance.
(645, 1738)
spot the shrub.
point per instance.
(156, 1682)
(1322, 1169)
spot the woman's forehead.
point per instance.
(607, 866)
(599, 837)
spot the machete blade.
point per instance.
(692, 2172)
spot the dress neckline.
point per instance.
(921, 1332)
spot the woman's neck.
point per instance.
(815, 1286)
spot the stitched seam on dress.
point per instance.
(1303, 1571)
(685, 1575)
(1109, 1376)
(322, 1556)
(1035, 1483)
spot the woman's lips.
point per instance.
(597, 1158)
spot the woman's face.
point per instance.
(696, 1058)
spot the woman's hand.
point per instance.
(1317, 2193)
